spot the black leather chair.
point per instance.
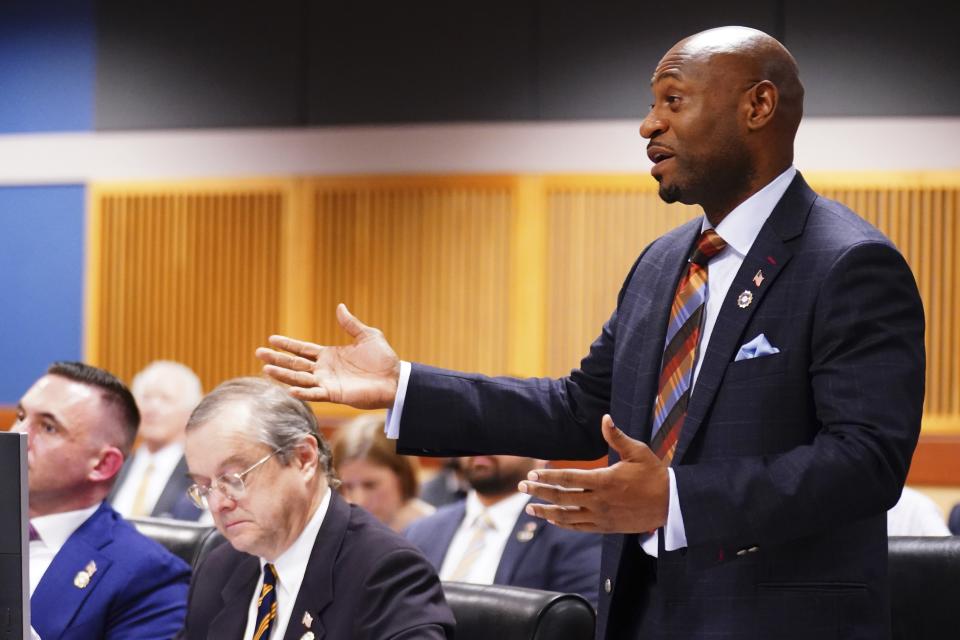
(924, 587)
(188, 540)
(515, 613)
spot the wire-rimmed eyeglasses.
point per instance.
(230, 485)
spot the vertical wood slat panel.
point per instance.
(194, 272)
(186, 272)
(421, 259)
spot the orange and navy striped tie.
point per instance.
(266, 604)
(680, 350)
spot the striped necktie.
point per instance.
(481, 527)
(680, 350)
(266, 604)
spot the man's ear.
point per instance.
(763, 99)
(111, 459)
(307, 456)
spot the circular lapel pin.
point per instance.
(744, 299)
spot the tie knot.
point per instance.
(709, 245)
(269, 575)
(484, 522)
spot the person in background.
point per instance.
(302, 562)
(374, 476)
(92, 574)
(488, 538)
(154, 481)
(446, 486)
(916, 515)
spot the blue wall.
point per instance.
(41, 270)
(47, 80)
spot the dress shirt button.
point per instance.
(607, 585)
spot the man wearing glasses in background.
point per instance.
(92, 575)
(261, 466)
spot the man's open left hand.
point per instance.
(631, 496)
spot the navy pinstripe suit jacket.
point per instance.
(786, 463)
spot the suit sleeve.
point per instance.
(153, 604)
(866, 381)
(403, 600)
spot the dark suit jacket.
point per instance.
(363, 582)
(173, 501)
(138, 591)
(786, 464)
(537, 555)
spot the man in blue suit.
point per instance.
(92, 575)
(764, 365)
(515, 548)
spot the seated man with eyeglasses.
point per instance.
(301, 563)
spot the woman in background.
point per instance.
(374, 476)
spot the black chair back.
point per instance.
(185, 539)
(924, 587)
(515, 613)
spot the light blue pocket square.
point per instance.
(756, 348)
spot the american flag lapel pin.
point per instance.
(758, 278)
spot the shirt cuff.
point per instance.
(395, 413)
(674, 534)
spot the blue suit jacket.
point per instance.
(537, 555)
(785, 465)
(138, 591)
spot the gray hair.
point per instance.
(278, 420)
(189, 382)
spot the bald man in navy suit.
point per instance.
(791, 382)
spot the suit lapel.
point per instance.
(524, 531)
(59, 595)
(316, 591)
(769, 253)
(442, 534)
(174, 489)
(231, 621)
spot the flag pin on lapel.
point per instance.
(758, 279)
(82, 579)
(744, 299)
(307, 622)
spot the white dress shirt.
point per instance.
(916, 515)
(503, 515)
(739, 229)
(54, 530)
(164, 462)
(291, 567)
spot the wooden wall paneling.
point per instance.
(186, 271)
(423, 259)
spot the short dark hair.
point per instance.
(279, 420)
(114, 394)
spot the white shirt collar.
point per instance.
(503, 513)
(167, 456)
(291, 565)
(742, 225)
(56, 528)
